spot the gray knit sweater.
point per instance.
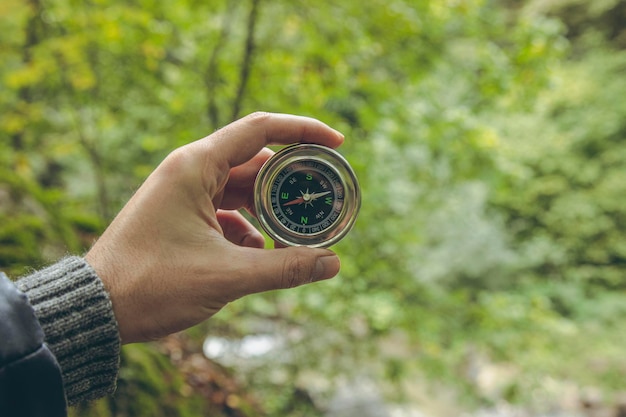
(76, 315)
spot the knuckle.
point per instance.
(178, 160)
(297, 271)
(186, 166)
(258, 117)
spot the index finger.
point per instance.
(241, 140)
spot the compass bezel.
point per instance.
(297, 154)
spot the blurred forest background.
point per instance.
(486, 272)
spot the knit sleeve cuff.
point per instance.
(76, 315)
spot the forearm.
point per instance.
(75, 312)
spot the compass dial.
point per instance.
(307, 195)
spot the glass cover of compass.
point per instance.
(307, 195)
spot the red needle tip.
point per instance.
(298, 200)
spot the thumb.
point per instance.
(289, 267)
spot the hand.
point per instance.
(179, 251)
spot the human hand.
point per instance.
(179, 251)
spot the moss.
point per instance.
(149, 385)
(153, 384)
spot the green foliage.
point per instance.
(488, 138)
(578, 193)
(145, 375)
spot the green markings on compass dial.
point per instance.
(307, 196)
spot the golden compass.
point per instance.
(307, 195)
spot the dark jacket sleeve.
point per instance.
(31, 384)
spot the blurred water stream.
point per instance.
(363, 397)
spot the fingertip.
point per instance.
(340, 136)
(253, 240)
(326, 267)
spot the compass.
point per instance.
(307, 195)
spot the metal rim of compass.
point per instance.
(299, 153)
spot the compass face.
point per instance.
(307, 195)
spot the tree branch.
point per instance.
(211, 77)
(246, 65)
(33, 37)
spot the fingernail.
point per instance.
(341, 135)
(326, 267)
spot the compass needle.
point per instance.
(298, 200)
(315, 196)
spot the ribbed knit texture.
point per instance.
(76, 315)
